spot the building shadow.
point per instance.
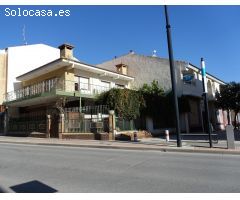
(2, 190)
(33, 187)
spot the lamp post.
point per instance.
(204, 82)
(173, 78)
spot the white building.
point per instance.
(18, 60)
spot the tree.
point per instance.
(153, 96)
(228, 98)
(235, 88)
(159, 104)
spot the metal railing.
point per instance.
(124, 125)
(28, 123)
(94, 110)
(53, 85)
(77, 123)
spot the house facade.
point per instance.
(64, 84)
(145, 69)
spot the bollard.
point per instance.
(167, 135)
(230, 137)
(135, 137)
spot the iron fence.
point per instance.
(124, 125)
(81, 125)
(77, 126)
(93, 110)
(27, 124)
(90, 119)
(1, 122)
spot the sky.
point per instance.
(99, 33)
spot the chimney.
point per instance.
(122, 69)
(66, 51)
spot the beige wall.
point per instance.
(3, 75)
(68, 75)
(61, 73)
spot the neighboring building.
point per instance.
(63, 83)
(17, 60)
(3, 77)
(145, 69)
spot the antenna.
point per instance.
(24, 35)
(154, 53)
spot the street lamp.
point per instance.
(173, 78)
(204, 82)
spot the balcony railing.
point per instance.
(52, 86)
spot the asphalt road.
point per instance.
(33, 168)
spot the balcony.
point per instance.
(53, 87)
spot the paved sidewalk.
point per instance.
(159, 144)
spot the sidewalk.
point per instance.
(156, 144)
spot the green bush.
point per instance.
(125, 102)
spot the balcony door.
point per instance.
(82, 84)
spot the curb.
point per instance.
(161, 149)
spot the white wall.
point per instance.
(22, 59)
(195, 89)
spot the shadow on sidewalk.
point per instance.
(33, 187)
(2, 190)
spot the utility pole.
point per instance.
(205, 98)
(173, 78)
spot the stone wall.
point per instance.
(86, 136)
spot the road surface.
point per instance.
(36, 168)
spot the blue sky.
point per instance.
(101, 32)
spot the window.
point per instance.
(76, 86)
(81, 83)
(119, 86)
(105, 84)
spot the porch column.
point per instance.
(112, 125)
(48, 126)
(80, 104)
(61, 125)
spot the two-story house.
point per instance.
(62, 83)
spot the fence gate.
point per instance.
(91, 119)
